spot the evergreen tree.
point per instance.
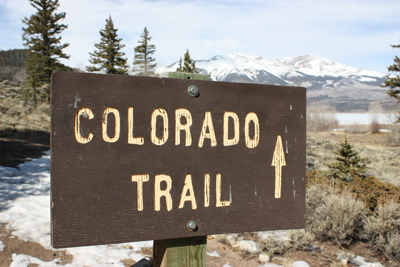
(108, 58)
(179, 69)
(143, 62)
(189, 65)
(347, 163)
(13, 64)
(394, 80)
(41, 38)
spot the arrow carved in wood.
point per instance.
(278, 160)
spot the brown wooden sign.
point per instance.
(137, 158)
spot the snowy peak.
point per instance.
(326, 80)
(309, 71)
(319, 66)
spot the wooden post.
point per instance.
(180, 252)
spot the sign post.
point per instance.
(140, 158)
(189, 251)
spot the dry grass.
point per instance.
(382, 160)
(18, 114)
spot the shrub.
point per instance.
(297, 240)
(272, 246)
(373, 192)
(383, 229)
(315, 196)
(347, 163)
(369, 190)
(300, 239)
(338, 218)
(375, 127)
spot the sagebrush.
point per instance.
(338, 218)
(382, 229)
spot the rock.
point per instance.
(265, 237)
(227, 239)
(280, 235)
(2, 246)
(143, 263)
(213, 254)
(263, 258)
(250, 246)
(345, 256)
(312, 247)
(231, 239)
(300, 264)
(236, 245)
(360, 261)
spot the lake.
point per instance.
(364, 118)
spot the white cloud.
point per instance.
(351, 32)
(226, 42)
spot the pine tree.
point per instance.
(143, 62)
(394, 80)
(347, 163)
(189, 65)
(108, 58)
(41, 38)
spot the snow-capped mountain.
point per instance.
(326, 80)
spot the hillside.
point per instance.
(343, 87)
(12, 64)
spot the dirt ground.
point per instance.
(325, 255)
(18, 147)
(15, 245)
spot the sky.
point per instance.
(352, 32)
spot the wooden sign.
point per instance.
(139, 158)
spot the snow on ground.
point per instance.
(25, 207)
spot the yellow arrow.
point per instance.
(278, 160)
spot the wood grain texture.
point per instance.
(180, 252)
(94, 198)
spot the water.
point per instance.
(365, 118)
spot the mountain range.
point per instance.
(345, 88)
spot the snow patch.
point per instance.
(25, 207)
(366, 79)
(300, 264)
(2, 246)
(213, 254)
(22, 260)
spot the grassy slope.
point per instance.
(383, 161)
(17, 114)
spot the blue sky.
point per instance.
(356, 33)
